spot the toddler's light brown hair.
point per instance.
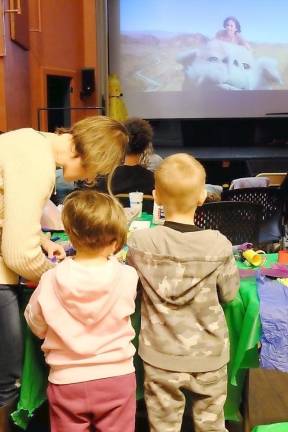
(94, 220)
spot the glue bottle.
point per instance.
(158, 214)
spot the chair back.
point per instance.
(284, 184)
(148, 202)
(248, 182)
(271, 199)
(275, 178)
(238, 221)
(265, 399)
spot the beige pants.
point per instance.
(165, 400)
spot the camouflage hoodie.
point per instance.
(185, 277)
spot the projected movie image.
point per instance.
(192, 45)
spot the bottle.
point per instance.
(158, 214)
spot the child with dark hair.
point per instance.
(133, 174)
(231, 32)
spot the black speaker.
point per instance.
(87, 82)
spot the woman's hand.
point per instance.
(53, 249)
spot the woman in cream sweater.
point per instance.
(28, 160)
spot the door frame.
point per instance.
(69, 73)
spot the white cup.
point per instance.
(136, 201)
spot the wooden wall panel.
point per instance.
(2, 29)
(19, 22)
(61, 37)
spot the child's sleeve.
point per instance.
(228, 280)
(129, 257)
(34, 316)
(131, 261)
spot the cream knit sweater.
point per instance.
(27, 177)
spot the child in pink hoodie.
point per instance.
(81, 308)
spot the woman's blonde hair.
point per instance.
(94, 220)
(100, 142)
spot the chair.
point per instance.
(238, 221)
(265, 398)
(275, 179)
(284, 185)
(272, 201)
(148, 202)
(248, 182)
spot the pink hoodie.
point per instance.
(83, 315)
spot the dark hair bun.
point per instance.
(140, 135)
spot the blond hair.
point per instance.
(180, 182)
(94, 220)
(100, 142)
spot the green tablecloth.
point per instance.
(242, 316)
(276, 427)
(34, 374)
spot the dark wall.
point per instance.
(221, 132)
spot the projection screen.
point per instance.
(200, 58)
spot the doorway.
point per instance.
(58, 101)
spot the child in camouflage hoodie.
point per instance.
(186, 274)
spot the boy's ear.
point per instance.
(114, 247)
(202, 197)
(155, 196)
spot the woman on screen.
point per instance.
(231, 32)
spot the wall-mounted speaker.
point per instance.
(87, 82)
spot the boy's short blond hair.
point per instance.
(180, 182)
(94, 220)
(101, 143)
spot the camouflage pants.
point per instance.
(165, 400)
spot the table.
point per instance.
(276, 427)
(242, 316)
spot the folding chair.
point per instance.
(275, 179)
(265, 399)
(272, 201)
(238, 221)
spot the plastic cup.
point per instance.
(136, 201)
(255, 258)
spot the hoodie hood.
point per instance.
(177, 264)
(88, 294)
